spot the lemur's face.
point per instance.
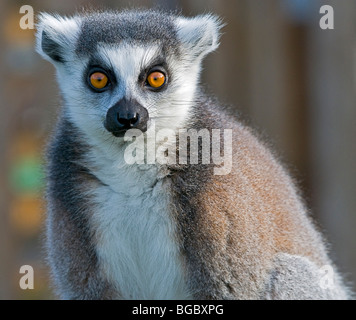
(119, 71)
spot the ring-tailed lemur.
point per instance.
(163, 231)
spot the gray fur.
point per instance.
(246, 235)
(134, 26)
(293, 278)
(71, 251)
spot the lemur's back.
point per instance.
(143, 230)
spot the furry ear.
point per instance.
(54, 35)
(199, 35)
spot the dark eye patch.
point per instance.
(96, 64)
(157, 64)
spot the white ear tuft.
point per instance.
(55, 34)
(199, 35)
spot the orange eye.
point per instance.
(98, 80)
(156, 79)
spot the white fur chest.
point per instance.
(135, 234)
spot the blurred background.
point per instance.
(292, 81)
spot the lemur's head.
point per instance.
(120, 70)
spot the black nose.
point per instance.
(128, 120)
(125, 115)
